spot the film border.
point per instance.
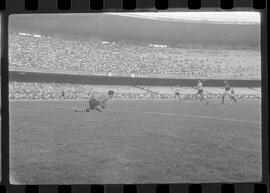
(8, 7)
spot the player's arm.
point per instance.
(194, 87)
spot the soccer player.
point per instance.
(62, 95)
(98, 103)
(228, 91)
(177, 94)
(200, 92)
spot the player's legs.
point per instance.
(200, 93)
(84, 110)
(223, 96)
(233, 97)
(81, 110)
(196, 95)
(92, 106)
(179, 97)
(204, 98)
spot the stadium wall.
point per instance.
(115, 27)
(111, 80)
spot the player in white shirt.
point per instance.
(199, 92)
(177, 94)
(228, 91)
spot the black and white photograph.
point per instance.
(135, 98)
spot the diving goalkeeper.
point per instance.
(97, 103)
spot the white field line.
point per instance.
(169, 114)
(189, 116)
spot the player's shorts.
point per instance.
(93, 103)
(227, 92)
(200, 91)
(177, 93)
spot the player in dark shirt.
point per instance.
(97, 103)
(228, 91)
(62, 95)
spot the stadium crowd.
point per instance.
(53, 91)
(72, 54)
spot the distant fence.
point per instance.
(132, 81)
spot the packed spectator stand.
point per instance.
(71, 54)
(96, 56)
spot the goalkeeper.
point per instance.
(98, 103)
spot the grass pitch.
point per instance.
(135, 142)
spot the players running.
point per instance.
(228, 91)
(97, 103)
(199, 92)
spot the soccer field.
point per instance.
(140, 141)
